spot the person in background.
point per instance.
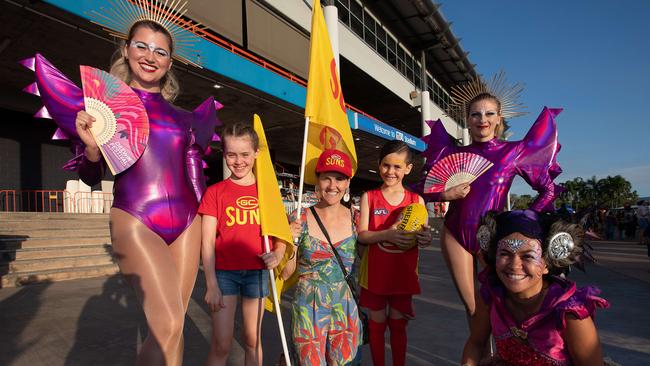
(643, 216)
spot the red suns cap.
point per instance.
(332, 160)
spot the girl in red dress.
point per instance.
(389, 275)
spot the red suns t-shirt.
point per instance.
(391, 271)
(239, 240)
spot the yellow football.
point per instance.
(413, 217)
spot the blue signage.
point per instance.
(380, 129)
(237, 68)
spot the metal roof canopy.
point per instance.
(69, 41)
(421, 27)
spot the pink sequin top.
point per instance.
(538, 340)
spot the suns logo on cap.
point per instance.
(335, 159)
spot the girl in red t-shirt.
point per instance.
(232, 250)
(389, 268)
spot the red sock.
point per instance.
(398, 340)
(376, 331)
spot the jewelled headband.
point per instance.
(484, 236)
(118, 16)
(560, 245)
(508, 95)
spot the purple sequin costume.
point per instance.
(163, 188)
(533, 158)
(538, 339)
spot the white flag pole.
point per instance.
(302, 166)
(276, 303)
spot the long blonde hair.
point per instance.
(169, 87)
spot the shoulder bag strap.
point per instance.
(336, 253)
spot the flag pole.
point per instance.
(276, 303)
(302, 167)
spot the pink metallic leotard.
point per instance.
(533, 158)
(164, 186)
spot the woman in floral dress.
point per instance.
(326, 328)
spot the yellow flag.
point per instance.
(273, 218)
(325, 107)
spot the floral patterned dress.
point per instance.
(326, 328)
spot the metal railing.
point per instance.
(28, 200)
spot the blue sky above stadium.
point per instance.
(588, 57)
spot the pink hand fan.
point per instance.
(455, 169)
(121, 127)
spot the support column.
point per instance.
(331, 14)
(425, 107)
(425, 104)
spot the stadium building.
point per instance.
(398, 59)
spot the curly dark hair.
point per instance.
(548, 225)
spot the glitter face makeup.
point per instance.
(483, 113)
(514, 245)
(520, 265)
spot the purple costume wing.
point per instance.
(62, 100)
(205, 121)
(439, 144)
(203, 132)
(536, 159)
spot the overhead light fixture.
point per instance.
(377, 146)
(372, 171)
(217, 86)
(357, 139)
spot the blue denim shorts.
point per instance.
(252, 283)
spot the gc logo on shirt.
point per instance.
(245, 213)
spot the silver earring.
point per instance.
(560, 246)
(484, 236)
(346, 196)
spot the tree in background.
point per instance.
(520, 202)
(609, 192)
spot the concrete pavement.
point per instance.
(99, 321)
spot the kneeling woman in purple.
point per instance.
(155, 230)
(537, 318)
(533, 158)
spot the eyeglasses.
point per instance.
(143, 47)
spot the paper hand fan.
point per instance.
(455, 169)
(121, 127)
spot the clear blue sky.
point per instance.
(591, 58)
